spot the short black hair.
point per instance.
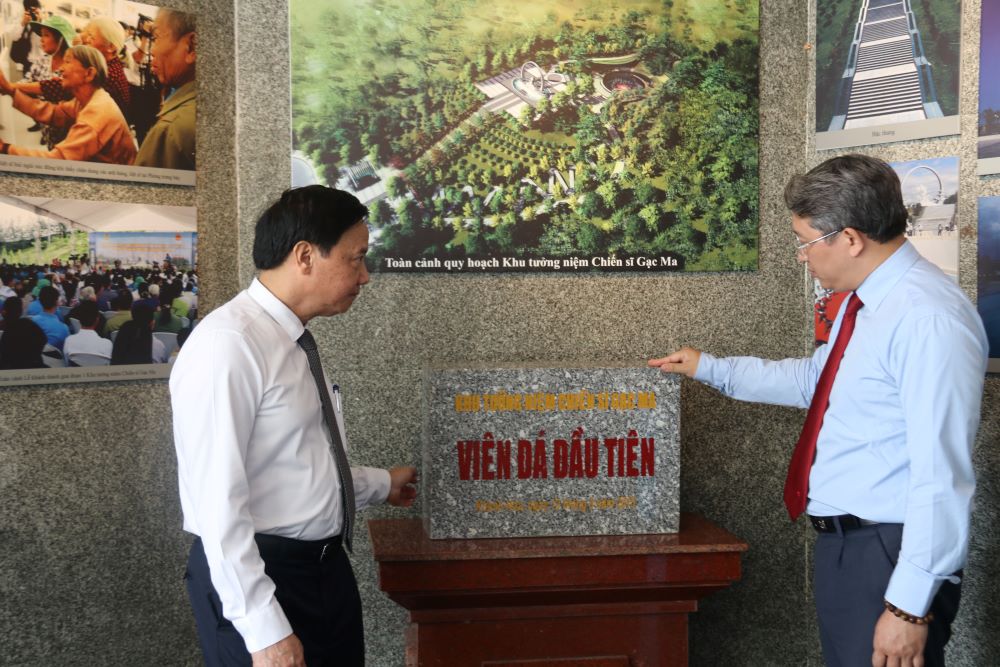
(123, 301)
(87, 313)
(49, 296)
(13, 308)
(315, 214)
(142, 314)
(856, 191)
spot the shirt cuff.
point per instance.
(264, 627)
(383, 482)
(913, 589)
(704, 372)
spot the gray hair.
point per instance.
(89, 57)
(854, 191)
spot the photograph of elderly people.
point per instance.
(113, 85)
(94, 283)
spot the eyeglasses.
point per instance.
(801, 247)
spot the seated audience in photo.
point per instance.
(135, 343)
(170, 143)
(105, 295)
(55, 330)
(13, 308)
(87, 340)
(34, 306)
(97, 128)
(87, 295)
(122, 305)
(166, 320)
(21, 345)
(182, 337)
(8, 285)
(182, 305)
(149, 296)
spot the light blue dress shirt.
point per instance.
(896, 442)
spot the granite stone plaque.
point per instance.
(530, 452)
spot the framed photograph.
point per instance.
(989, 275)
(532, 136)
(94, 290)
(98, 90)
(989, 90)
(930, 192)
(886, 70)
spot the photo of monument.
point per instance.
(886, 70)
(520, 136)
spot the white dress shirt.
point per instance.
(253, 452)
(87, 341)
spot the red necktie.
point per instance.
(797, 482)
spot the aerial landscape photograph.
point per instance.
(535, 136)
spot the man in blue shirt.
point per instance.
(55, 331)
(891, 484)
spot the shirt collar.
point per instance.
(278, 311)
(878, 283)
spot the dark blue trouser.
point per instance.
(850, 576)
(319, 597)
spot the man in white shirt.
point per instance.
(259, 481)
(87, 340)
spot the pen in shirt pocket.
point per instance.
(336, 396)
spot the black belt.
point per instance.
(845, 522)
(274, 547)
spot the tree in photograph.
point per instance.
(608, 192)
(395, 187)
(408, 215)
(379, 214)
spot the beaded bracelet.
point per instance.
(909, 618)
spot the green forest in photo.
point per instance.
(628, 129)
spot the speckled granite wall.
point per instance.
(91, 551)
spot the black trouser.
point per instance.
(315, 588)
(850, 576)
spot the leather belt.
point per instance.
(841, 523)
(275, 547)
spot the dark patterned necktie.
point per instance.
(797, 482)
(308, 344)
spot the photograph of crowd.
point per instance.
(94, 284)
(886, 70)
(107, 90)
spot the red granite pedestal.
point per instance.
(597, 601)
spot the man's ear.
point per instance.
(302, 256)
(191, 39)
(856, 240)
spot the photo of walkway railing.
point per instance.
(887, 79)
